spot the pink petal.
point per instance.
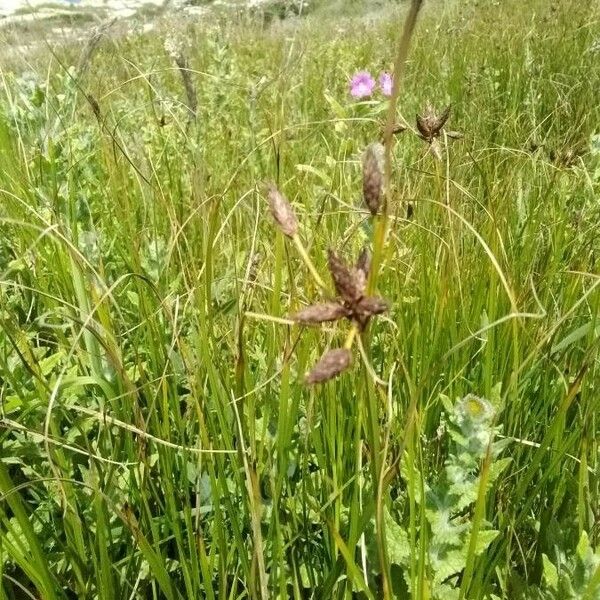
(386, 83)
(362, 85)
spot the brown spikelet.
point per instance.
(95, 107)
(372, 305)
(430, 123)
(367, 307)
(423, 126)
(430, 126)
(319, 313)
(349, 282)
(332, 363)
(441, 120)
(364, 262)
(373, 176)
(282, 211)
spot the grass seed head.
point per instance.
(320, 313)
(364, 262)
(331, 364)
(349, 282)
(430, 124)
(372, 305)
(282, 211)
(367, 307)
(372, 162)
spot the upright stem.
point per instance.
(381, 224)
(379, 238)
(308, 262)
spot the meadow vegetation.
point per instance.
(157, 436)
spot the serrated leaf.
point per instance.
(496, 469)
(583, 547)
(447, 403)
(550, 572)
(396, 539)
(447, 564)
(484, 539)
(338, 110)
(47, 364)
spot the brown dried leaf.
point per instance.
(373, 176)
(332, 363)
(319, 313)
(282, 211)
(349, 282)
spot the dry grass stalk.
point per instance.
(175, 49)
(188, 84)
(92, 44)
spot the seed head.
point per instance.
(364, 262)
(331, 364)
(367, 307)
(373, 176)
(282, 211)
(320, 313)
(349, 282)
(430, 124)
(372, 305)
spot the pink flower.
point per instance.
(386, 83)
(362, 85)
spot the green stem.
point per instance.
(381, 224)
(308, 262)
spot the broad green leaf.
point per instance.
(397, 540)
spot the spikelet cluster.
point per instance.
(349, 280)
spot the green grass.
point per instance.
(156, 436)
